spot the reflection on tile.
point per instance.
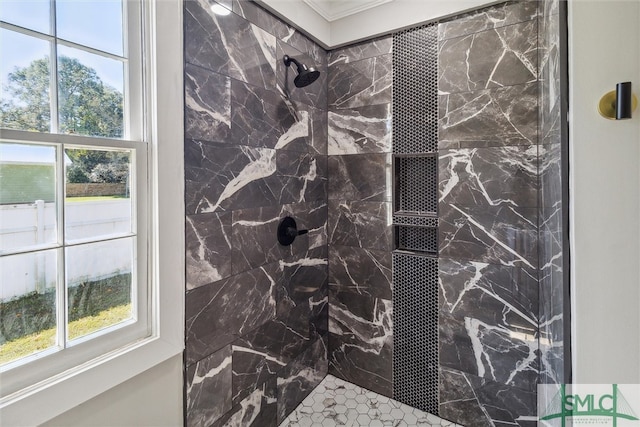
(495, 176)
(360, 271)
(502, 57)
(360, 83)
(493, 294)
(492, 17)
(368, 49)
(223, 177)
(218, 313)
(360, 130)
(208, 248)
(336, 402)
(492, 117)
(475, 401)
(228, 45)
(362, 177)
(361, 224)
(260, 354)
(257, 410)
(208, 389)
(495, 235)
(361, 344)
(301, 376)
(255, 14)
(491, 351)
(207, 104)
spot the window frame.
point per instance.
(162, 67)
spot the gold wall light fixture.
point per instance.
(618, 104)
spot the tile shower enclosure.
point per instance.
(426, 167)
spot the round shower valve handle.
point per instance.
(288, 231)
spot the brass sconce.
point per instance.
(618, 104)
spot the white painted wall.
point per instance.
(604, 47)
(153, 398)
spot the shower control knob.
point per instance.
(288, 231)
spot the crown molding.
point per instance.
(332, 10)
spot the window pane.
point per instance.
(27, 304)
(27, 195)
(93, 23)
(99, 277)
(32, 14)
(25, 102)
(90, 92)
(98, 197)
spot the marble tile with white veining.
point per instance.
(361, 177)
(361, 340)
(360, 130)
(258, 409)
(550, 195)
(207, 104)
(301, 279)
(208, 248)
(208, 389)
(303, 177)
(493, 294)
(489, 351)
(502, 57)
(222, 177)
(319, 132)
(254, 239)
(301, 376)
(310, 216)
(491, 117)
(365, 82)
(495, 235)
(255, 14)
(474, 401)
(260, 354)
(494, 176)
(360, 271)
(550, 88)
(492, 17)
(219, 313)
(302, 43)
(314, 94)
(228, 45)
(356, 52)
(265, 118)
(361, 224)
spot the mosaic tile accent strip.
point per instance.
(415, 96)
(415, 319)
(336, 402)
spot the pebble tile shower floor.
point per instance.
(336, 402)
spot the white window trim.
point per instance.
(52, 397)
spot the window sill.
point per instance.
(76, 386)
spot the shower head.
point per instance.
(306, 75)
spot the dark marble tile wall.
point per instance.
(551, 312)
(255, 151)
(359, 225)
(489, 209)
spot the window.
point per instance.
(77, 257)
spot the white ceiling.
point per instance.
(332, 10)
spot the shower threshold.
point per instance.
(336, 402)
